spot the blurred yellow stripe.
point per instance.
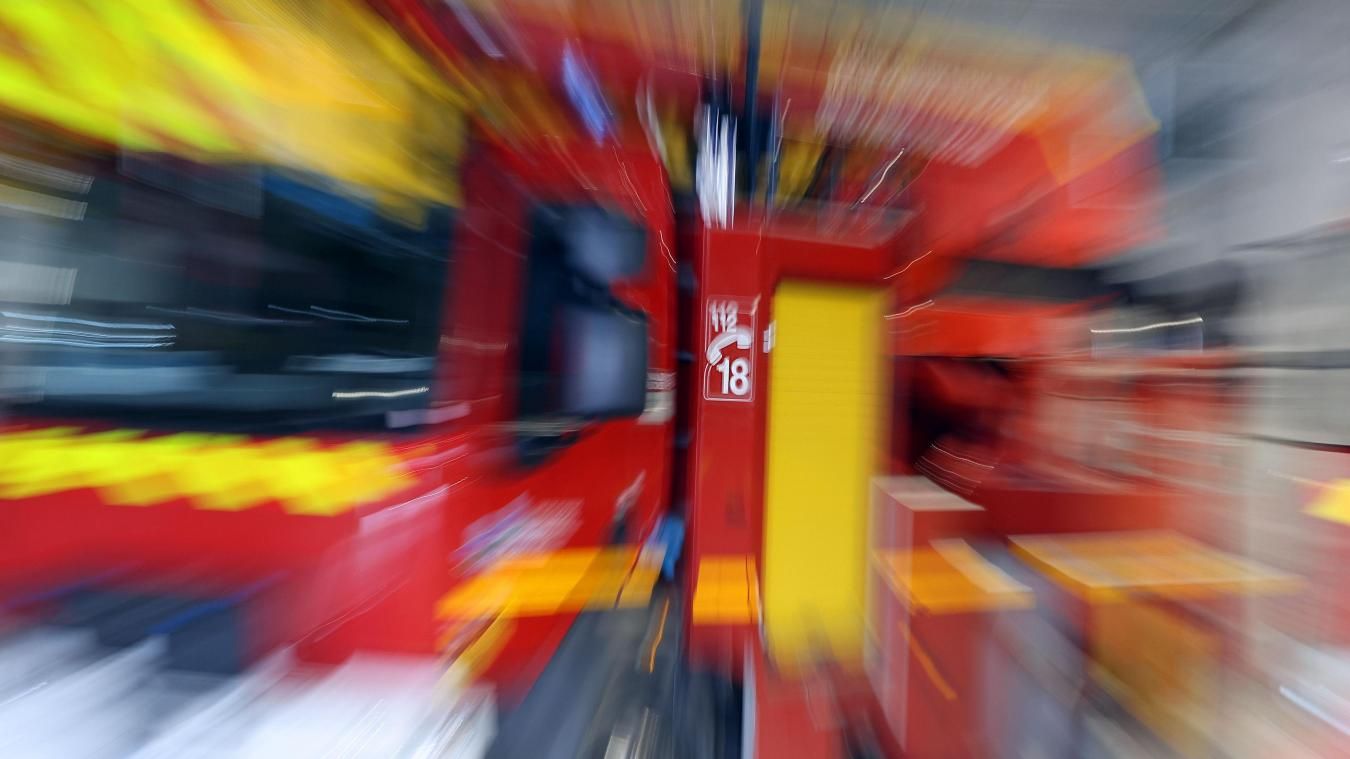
(214, 472)
(1110, 567)
(326, 87)
(826, 406)
(951, 579)
(726, 591)
(556, 582)
(1333, 503)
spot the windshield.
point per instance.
(151, 290)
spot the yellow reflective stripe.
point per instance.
(185, 61)
(150, 475)
(114, 79)
(214, 472)
(43, 466)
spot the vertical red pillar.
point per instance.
(727, 397)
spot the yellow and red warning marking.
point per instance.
(212, 472)
(331, 88)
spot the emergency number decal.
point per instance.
(729, 337)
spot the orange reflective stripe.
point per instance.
(556, 582)
(726, 591)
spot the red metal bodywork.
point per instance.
(727, 451)
(369, 578)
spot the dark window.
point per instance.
(583, 354)
(210, 296)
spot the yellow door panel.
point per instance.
(826, 418)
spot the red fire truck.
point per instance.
(264, 421)
(258, 414)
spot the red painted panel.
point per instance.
(725, 474)
(369, 578)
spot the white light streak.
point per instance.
(335, 315)
(76, 343)
(86, 322)
(1147, 327)
(910, 310)
(345, 395)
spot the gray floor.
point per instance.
(607, 693)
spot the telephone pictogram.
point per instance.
(730, 335)
(739, 335)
